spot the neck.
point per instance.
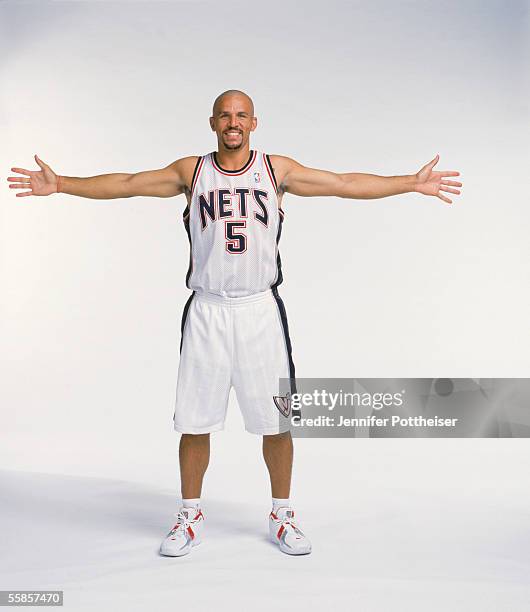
(233, 159)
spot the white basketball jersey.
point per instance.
(234, 226)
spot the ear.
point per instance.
(254, 124)
(212, 124)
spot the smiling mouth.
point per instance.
(233, 133)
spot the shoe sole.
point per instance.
(274, 540)
(170, 554)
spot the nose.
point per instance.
(233, 121)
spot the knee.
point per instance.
(280, 437)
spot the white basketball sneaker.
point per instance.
(286, 534)
(184, 534)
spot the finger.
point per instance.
(41, 164)
(24, 193)
(454, 183)
(433, 162)
(19, 186)
(22, 171)
(18, 179)
(449, 173)
(442, 197)
(449, 189)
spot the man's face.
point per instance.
(233, 121)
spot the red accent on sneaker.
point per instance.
(274, 516)
(280, 531)
(190, 531)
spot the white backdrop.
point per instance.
(92, 291)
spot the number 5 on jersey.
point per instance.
(236, 241)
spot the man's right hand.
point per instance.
(41, 182)
(170, 181)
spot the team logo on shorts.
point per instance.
(257, 177)
(283, 404)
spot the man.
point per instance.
(234, 325)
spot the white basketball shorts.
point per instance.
(227, 342)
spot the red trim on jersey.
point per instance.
(245, 168)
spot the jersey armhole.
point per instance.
(271, 172)
(194, 178)
(270, 169)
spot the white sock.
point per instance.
(192, 503)
(280, 503)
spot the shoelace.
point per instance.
(287, 523)
(183, 524)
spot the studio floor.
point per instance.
(417, 536)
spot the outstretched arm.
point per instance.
(163, 183)
(300, 180)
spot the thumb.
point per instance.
(40, 163)
(433, 162)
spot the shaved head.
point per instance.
(230, 93)
(233, 120)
